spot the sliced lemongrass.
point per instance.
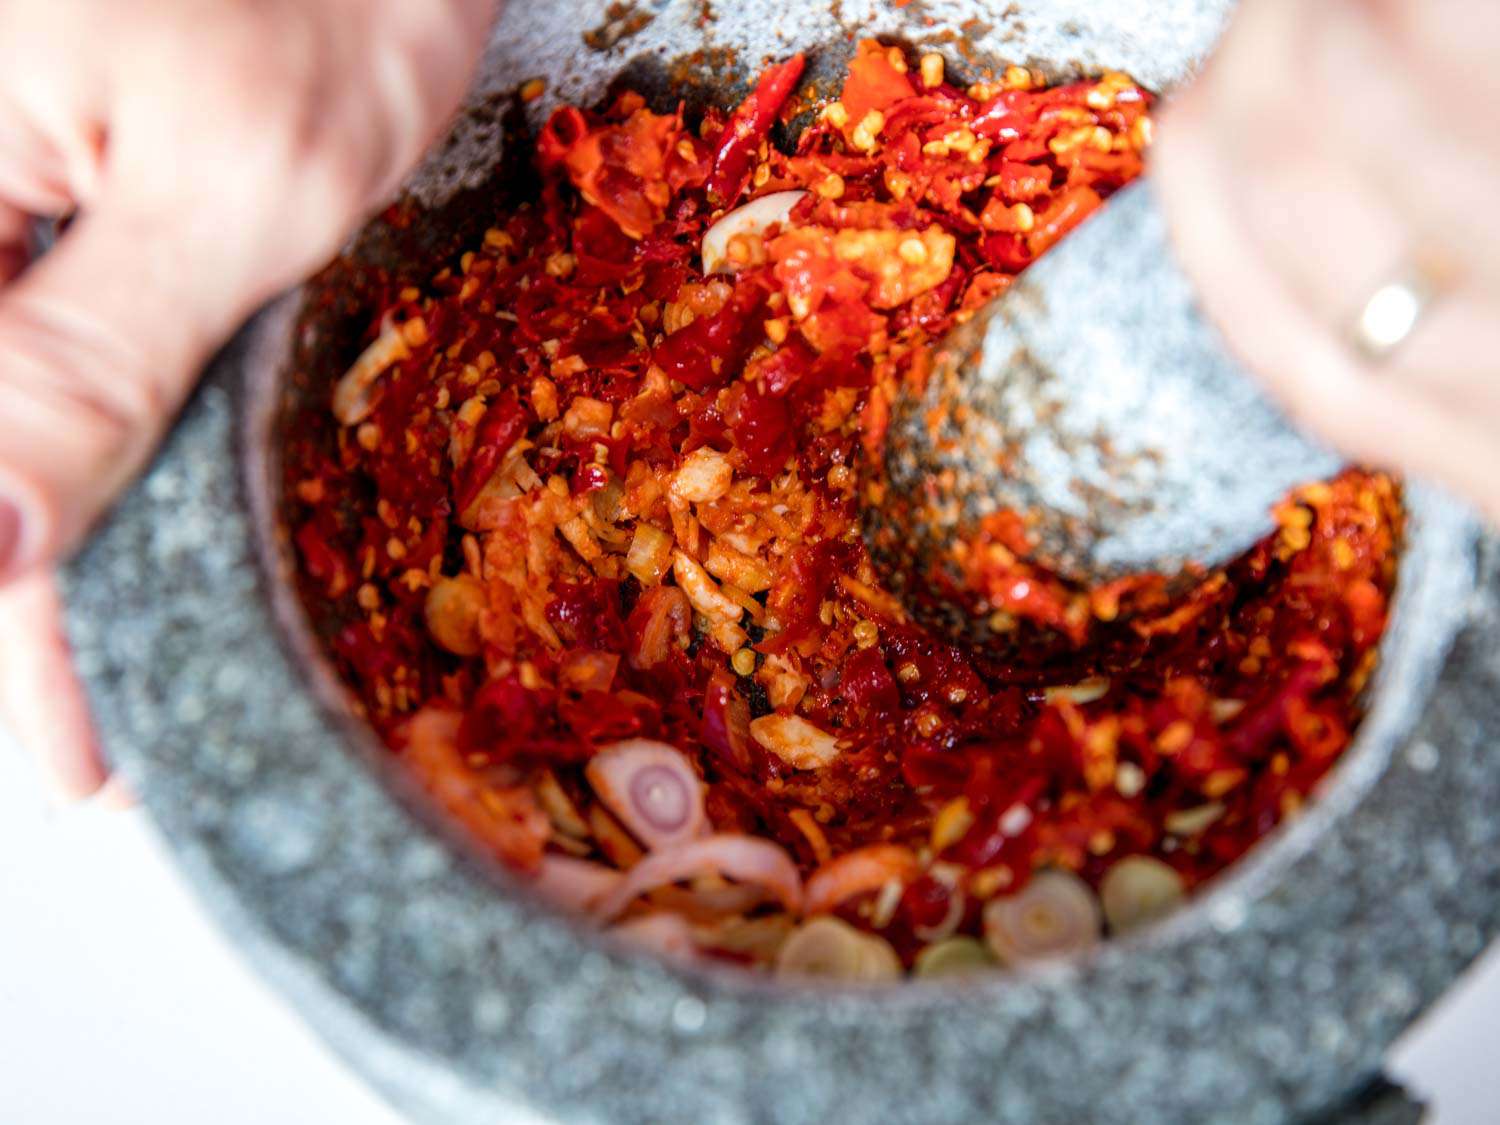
(751, 219)
(1054, 915)
(1138, 889)
(824, 947)
(879, 961)
(832, 949)
(953, 957)
(558, 806)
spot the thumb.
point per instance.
(100, 342)
(42, 702)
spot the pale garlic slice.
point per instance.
(750, 219)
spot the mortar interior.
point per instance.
(432, 224)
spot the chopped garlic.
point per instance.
(588, 417)
(728, 565)
(1086, 691)
(704, 476)
(753, 218)
(650, 554)
(1189, 822)
(795, 741)
(353, 397)
(700, 589)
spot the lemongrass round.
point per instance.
(832, 949)
(1054, 915)
(953, 957)
(1139, 889)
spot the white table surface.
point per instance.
(120, 1004)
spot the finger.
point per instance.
(1451, 44)
(1403, 134)
(41, 700)
(33, 173)
(99, 343)
(1451, 355)
(1392, 422)
(427, 63)
(15, 241)
(1327, 230)
(115, 795)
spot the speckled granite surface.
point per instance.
(1090, 427)
(1269, 1000)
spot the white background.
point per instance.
(121, 1005)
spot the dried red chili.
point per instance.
(635, 490)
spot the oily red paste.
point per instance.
(591, 517)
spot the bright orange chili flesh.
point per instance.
(500, 527)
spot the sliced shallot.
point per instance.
(662, 933)
(575, 884)
(662, 620)
(753, 218)
(709, 904)
(746, 859)
(858, 872)
(506, 819)
(652, 789)
(760, 938)
(1054, 915)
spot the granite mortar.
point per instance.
(1271, 998)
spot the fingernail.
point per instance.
(115, 795)
(10, 536)
(13, 263)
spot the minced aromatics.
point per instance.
(588, 509)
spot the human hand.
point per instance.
(213, 153)
(1326, 149)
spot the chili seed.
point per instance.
(932, 69)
